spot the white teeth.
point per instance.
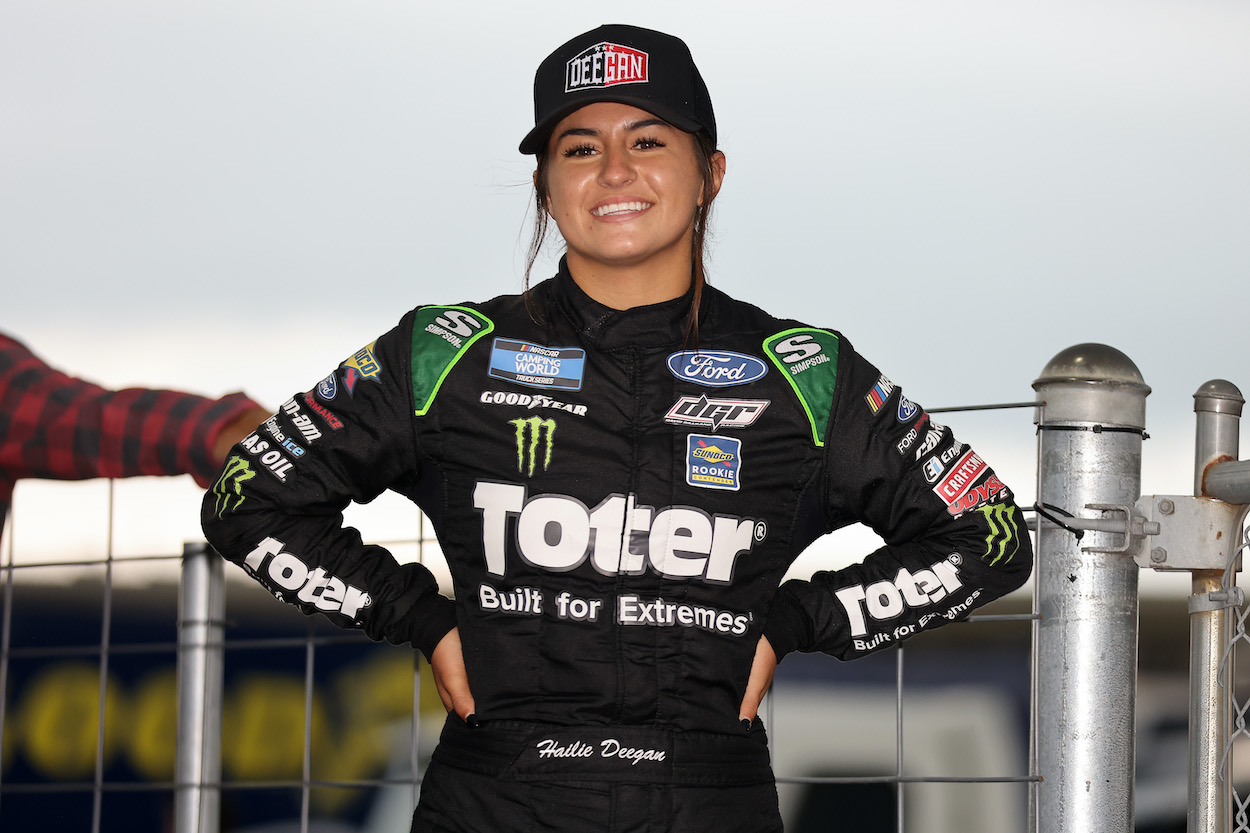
(620, 208)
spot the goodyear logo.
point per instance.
(713, 462)
(362, 365)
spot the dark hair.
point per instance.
(704, 149)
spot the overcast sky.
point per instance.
(225, 195)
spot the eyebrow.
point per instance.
(591, 131)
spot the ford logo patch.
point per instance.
(327, 388)
(716, 368)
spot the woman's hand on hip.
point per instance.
(762, 669)
(452, 680)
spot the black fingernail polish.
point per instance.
(471, 720)
(746, 724)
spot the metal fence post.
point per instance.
(1218, 407)
(1090, 427)
(201, 611)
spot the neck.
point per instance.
(624, 286)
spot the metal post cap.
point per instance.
(1219, 396)
(1092, 383)
(1091, 362)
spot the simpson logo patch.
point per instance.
(713, 462)
(808, 359)
(440, 337)
(536, 366)
(605, 65)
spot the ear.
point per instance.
(718, 175)
(546, 202)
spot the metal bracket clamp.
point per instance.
(1190, 533)
(1132, 527)
(1233, 597)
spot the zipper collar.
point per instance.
(653, 325)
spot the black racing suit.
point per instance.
(618, 496)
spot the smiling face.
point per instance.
(624, 187)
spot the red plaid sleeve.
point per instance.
(57, 426)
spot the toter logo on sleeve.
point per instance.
(537, 429)
(605, 65)
(888, 599)
(277, 566)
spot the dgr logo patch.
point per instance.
(713, 462)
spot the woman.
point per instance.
(620, 464)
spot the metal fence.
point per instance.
(1094, 533)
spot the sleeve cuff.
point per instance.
(229, 408)
(785, 626)
(434, 625)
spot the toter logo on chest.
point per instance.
(557, 533)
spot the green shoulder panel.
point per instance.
(808, 358)
(440, 336)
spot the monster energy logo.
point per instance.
(1001, 518)
(537, 428)
(229, 485)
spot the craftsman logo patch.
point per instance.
(960, 477)
(605, 65)
(713, 462)
(536, 366)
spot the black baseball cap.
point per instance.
(642, 67)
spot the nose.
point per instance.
(617, 167)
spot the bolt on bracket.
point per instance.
(1233, 597)
(1186, 532)
(1132, 527)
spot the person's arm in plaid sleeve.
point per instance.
(56, 426)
